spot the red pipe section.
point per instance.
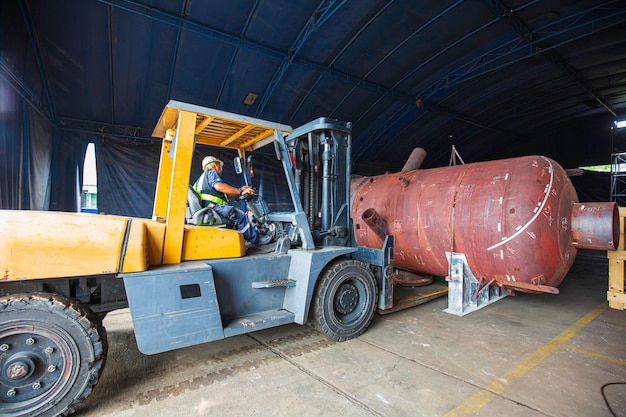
(376, 224)
(517, 220)
(415, 160)
(590, 233)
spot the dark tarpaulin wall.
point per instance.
(593, 186)
(26, 140)
(40, 164)
(12, 151)
(40, 161)
(68, 155)
(127, 174)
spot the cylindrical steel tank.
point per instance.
(517, 221)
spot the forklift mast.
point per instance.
(316, 160)
(320, 154)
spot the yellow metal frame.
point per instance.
(200, 241)
(181, 126)
(219, 128)
(617, 268)
(45, 244)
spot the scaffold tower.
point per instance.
(618, 178)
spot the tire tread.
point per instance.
(319, 322)
(90, 324)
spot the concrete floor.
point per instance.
(529, 355)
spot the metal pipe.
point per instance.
(326, 179)
(313, 167)
(415, 160)
(376, 223)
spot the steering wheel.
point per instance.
(244, 197)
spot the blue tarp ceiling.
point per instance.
(494, 78)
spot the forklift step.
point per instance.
(258, 321)
(274, 283)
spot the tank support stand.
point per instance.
(465, 292)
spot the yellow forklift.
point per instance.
(185, 279)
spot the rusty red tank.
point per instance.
(518, 221)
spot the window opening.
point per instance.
(89, 193)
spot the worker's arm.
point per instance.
(229, 190)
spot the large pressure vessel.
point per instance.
(518, 221)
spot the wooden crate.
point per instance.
(615, 294)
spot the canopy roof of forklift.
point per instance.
(220, 128)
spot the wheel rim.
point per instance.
(38, 365)
(350, 301)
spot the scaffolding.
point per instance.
(618, 178)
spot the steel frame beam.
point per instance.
(393, 50)
(175, 53)
(105, 129)
(572, 27)
(240, 42)
(589, 22)
(579, 25)
(22, 89)
(235, 52)
(111, 74)
(34, 43)
(324, 11)
(526, 33)
(339, 54)
(400, 114)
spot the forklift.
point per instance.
(185, 278)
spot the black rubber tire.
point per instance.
(52, 353)
(345, 299)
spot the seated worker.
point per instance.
(213, 190)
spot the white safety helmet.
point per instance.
(208, 160)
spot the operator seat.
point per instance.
(202, 216)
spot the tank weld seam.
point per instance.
(456, 193)
(541, 205)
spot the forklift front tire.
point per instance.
(345, 299)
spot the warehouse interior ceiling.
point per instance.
(493, 78)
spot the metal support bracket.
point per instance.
(466, 293)
(382, 258)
